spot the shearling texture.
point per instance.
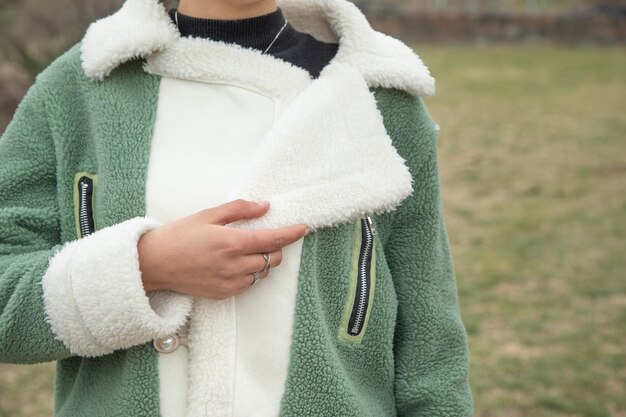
(51, 137)
(212, 353)
(330, 130)
(29, 233)
(122, 384)
(195, 59)
(382, 60)
(149, 30)
(142, 27)
(95, 298)
(331, 143)
(430, 342)
(412, 359)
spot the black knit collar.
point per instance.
(254, 32)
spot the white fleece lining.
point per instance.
(94, 296)
(330, 142)
(204, 134)
(382, 60)
(211, 375)
(142, 27)
(138, 29)
(265, 316)
(204, 60)
(328, 159)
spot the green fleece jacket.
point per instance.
(89, 117)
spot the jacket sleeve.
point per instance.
(29, 233)
(430, 342)
(52, 303)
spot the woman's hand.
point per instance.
(199, 255)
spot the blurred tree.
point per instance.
(608, 6)
(33, 33)
(608, 3)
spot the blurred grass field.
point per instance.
(533, 158)
(533, 161)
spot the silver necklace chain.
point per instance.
(266, 49)
(275, 37)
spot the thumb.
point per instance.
(236, 210)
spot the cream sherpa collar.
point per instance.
(142, 27)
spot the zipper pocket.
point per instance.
(84, 193)
(358, 307)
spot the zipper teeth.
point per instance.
(83, 210)
(363, 277)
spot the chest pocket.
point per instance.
(362, 283)
(84, 203)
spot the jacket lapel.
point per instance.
(328, 158)
(138, 29)
(142, 27)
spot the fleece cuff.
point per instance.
(95, 299)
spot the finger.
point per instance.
(247, 264)
(247, 281)
(270, 240)
(256, 261)
(235, 210)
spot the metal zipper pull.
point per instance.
(371, 224)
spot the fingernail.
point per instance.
(307, 231)
(263, 203)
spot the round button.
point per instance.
(167, 344)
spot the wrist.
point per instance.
(148, 263)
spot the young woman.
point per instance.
(231, 209)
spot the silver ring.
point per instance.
(257, 277)
(267, 258)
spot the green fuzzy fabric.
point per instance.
(50, 138)
(29, 233)
(124, 383)
(430, 343)
(412, 359)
